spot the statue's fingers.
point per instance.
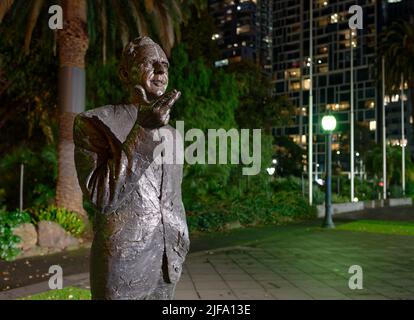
(174, 98)
(165, 110)
(164, 99)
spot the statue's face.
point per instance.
(152, 70)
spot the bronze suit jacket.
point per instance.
(134, 198)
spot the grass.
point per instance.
(69, 293)
(405, 228)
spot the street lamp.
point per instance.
(328, 125)
(271, 170)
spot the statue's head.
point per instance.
(144, 65)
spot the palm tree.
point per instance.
(397, 47)
(92, 22)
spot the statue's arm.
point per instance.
(108, 170)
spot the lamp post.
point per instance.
(328, 125)
(271, 171)
(310, 111)
(402, 135)
(352, 115)
(384, 136)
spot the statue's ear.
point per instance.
(123, 75)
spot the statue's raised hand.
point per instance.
(157, 113)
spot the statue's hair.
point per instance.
(129, 54)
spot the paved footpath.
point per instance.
(299, 261)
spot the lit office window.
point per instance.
(243, 29)
(306, 84)
(370, 104)
(294, 86)
(337, 106)
(292, 73)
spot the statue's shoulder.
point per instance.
(111, 112)
(119, 118)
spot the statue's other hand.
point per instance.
(157, 114)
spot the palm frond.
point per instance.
(5, 5)
(139, 18)
(122, 27)
(164, 26)
(104, 27)
(149, 5)
(31, 23)
(397, 47)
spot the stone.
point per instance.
(28, 236)
(233, 225)
(52, 235)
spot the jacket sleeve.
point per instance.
(107, 169)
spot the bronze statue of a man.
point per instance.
(140, 231)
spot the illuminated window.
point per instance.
(323, 50)
(298, 139)
(221, 63)
(215, 36)
(294, 86)
(321, 3)
(323, 68)
(322, 22)
(373, 125)
(243, 29)
(292, 73)
(235, 59)
(306, 84)
(334, 18)
(337, 106)
(370, 104)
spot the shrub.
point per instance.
(8, 241)
(410, 189)
(68, 220)
(249, 209)
(39, 176)
(396, 191)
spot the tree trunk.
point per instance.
(73, 44)
(411, 91)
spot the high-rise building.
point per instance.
(391, 11)
(332, 40)
(245, 31)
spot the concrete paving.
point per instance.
(299, 261)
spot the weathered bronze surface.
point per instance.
(140, 231)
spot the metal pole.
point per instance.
(352, 152)
(303, 186)
(384, 142)
(402, 136)
(328, 223)
(310, 113)
(21, 187)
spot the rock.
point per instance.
(233, 225)
(28, 236)
(52, 235)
